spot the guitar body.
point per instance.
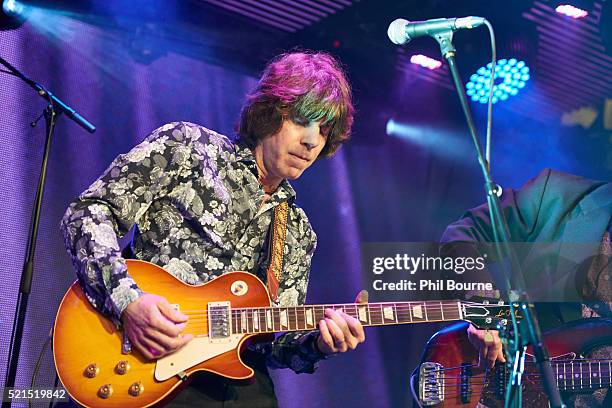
(462, 383)
(223, 314)
(87, 347)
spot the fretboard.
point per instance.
(284, 319)
(583, 374)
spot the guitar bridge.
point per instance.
(431, 383)
(219, 318)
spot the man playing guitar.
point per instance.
(202, 205)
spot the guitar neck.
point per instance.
(295, 318)
(583, 373)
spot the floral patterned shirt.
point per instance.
(199, 212)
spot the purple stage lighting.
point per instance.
(571, 11)
(425, 61)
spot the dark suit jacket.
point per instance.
(565, 215)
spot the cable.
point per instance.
(490, 103)
(37, 366)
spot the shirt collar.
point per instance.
(284, 192)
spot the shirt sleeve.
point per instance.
(296, 350)
(111, 206)
(472, 235)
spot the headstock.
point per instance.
(487, 315)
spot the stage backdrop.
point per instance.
(394, 190)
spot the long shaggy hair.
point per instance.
(303, 87)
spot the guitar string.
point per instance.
(593, 361)
(535, 385)
(531, 375)
(400, 312)
(429, 306)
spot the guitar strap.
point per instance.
(276, 249)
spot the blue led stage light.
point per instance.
(12, 8)
(12, 14)
(511, 75)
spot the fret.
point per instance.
(322, 313)
(378, 314)
(459, 309)
(409, 309)
(442, 310)
(263, 323)
(600, 379)
(454, 311)
(351, 310)
(572, 364)
(581, 374)
(425, 307)
(590, 377)
(276, 319)
(564, 376)
(339, 309)
(609, 372)
(297, 311)
(292, 318)
(557, 376)
(400, 312)
(432, 313)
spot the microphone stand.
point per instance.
(54, 108)
(529, 333)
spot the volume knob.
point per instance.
(122, 367)
(105, 391)
(91, 370)
(136, 389)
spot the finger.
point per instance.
(149, 348)
(326, 335)
(491, 356)
(356, 328)
(482, 356)
(499, 348)
(340, 321)
(337, 335)
(501, 357)
(362, 297)
(167, 343)
(170, 313)
(160, 323)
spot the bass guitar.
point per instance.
(224, 314)
(449, 376)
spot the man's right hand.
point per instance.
(154, 327)
(488, 344)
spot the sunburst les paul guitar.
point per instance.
(224, 314)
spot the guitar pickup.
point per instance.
(219, 322)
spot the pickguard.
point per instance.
(198, 350)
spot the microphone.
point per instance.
(401, 31)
